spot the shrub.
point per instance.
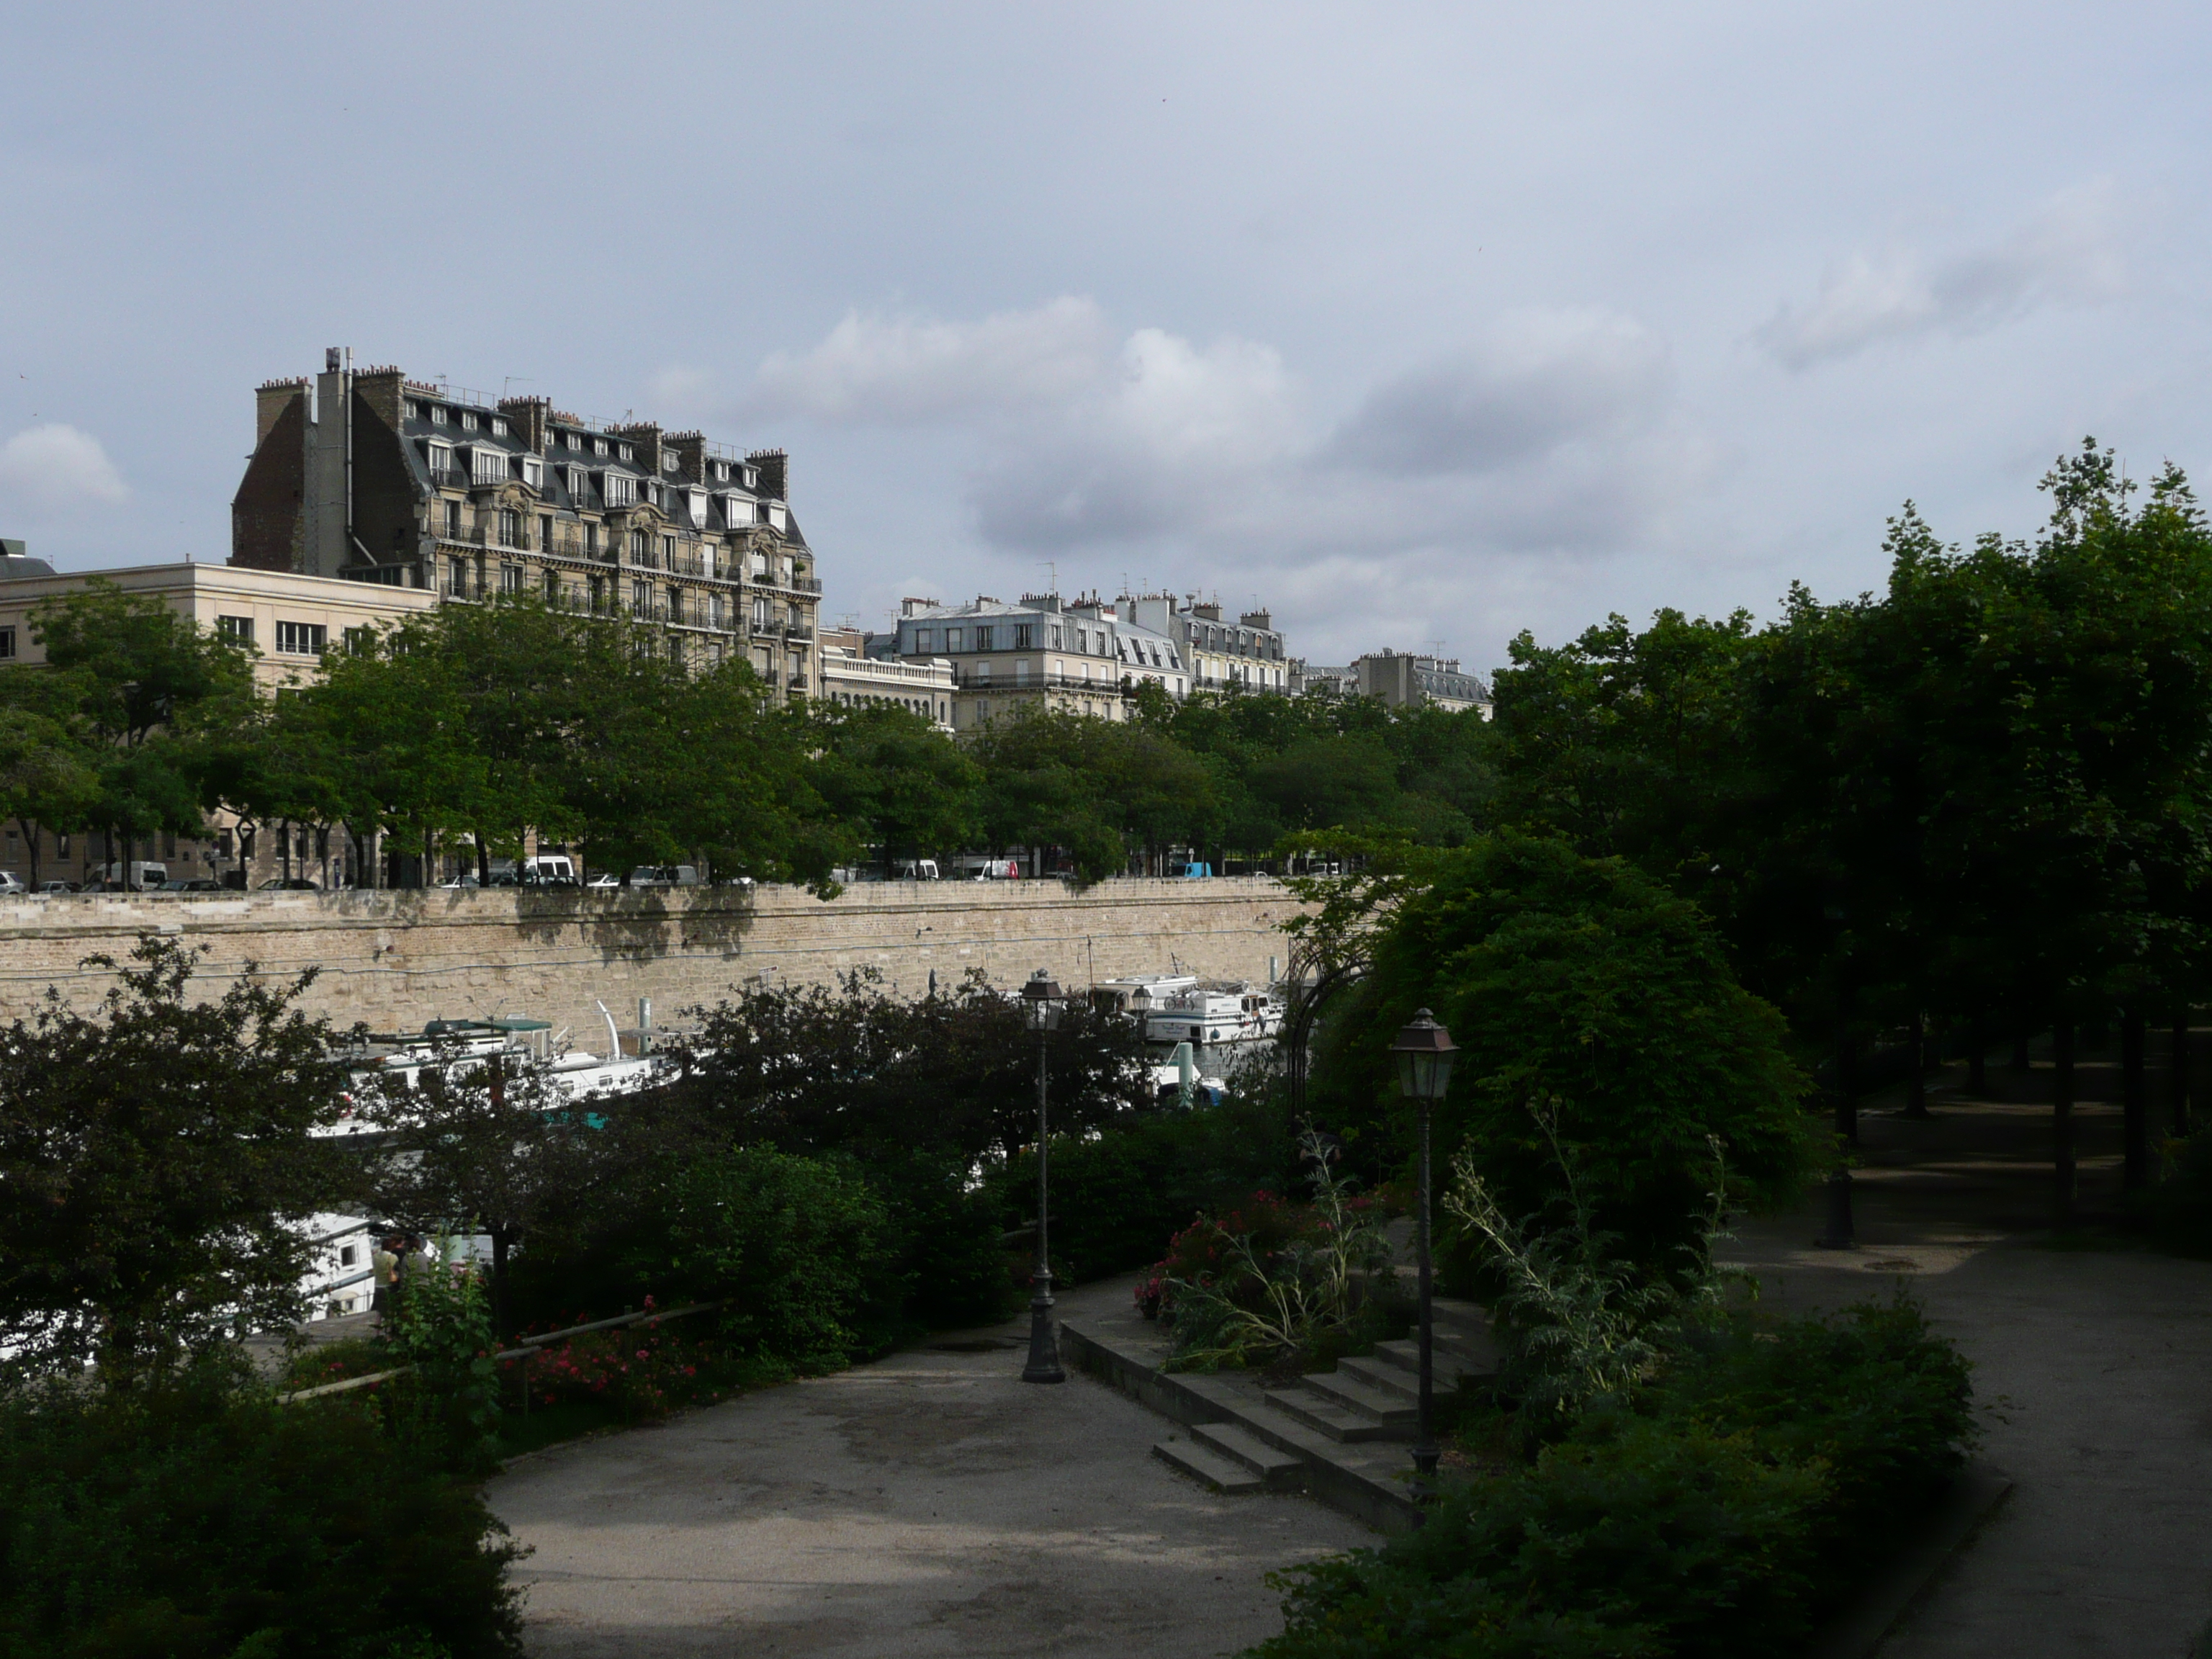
(200, 1520)
(790, 1244)
(2181, 1203)
(1722, 1509)
(641, 1372)
(1277, 1281)
(441, 1325)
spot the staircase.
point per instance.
(1316, 1434)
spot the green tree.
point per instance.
(154, 1158)
(1581, 990)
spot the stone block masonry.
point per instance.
(393, 960)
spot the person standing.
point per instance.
(385, 1261)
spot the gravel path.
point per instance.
(932, 1503)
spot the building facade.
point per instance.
(1406, 680)
(1246, 652)
(286, 621)
(1044, 655)
(852, 677)
(368, 477)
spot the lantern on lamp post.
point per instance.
(1424, 1052)
(1041, 1003)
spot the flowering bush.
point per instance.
(1273, 1279)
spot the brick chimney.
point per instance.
(270, 398)
(529, 417)
(379, 388)
(774, 473)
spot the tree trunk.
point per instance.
(1916, 1087)
(2061, 1120)
(2181, 1067)
(1978, 1056)
(1847, 1086)
(498, 1286)
(2135, 1104)
(2019, 1038)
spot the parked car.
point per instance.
(192, 884)
(605, 881)
(665, 875)
(288, 884)
(11, 883)
(57, 887)
(462, 881)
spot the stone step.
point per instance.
(1216, 1470)
(1452, 1359)
(1387, 1378)
(1334, 1421)
(1281, 1470)
(1349, 1395)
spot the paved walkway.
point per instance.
(932, 1503)
(2097, 1362)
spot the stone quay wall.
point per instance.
(394, 960)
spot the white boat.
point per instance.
(1140, 993)
(1212, 1015)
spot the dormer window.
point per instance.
(468, 420)
(437, 414)
(625, 453)
(721, 472)
(533, 473)
(414, 410)
(599, 445)
(620, 489)
(668, 463)
(499, 426)
(488, 465)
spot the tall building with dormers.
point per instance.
(366, 476)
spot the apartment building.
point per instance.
(853, 677)
(368, 477)
(286, 620)
(1246, 652)
(1044, 653)
(1412, 680)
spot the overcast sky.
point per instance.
(1415, 323)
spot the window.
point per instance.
(676, 605)
(640, 598)
(641, 547)
(714, 611)
(924, 638)
(487, 466)
(510, 527)
(1023, 631)
(623, 452)
(457, 578)
(468, 420)
(510, 578)
(553, 588)
(238, 630)
(599, 445)
(301, 639)
(533, 473)
(453, 519)
(437, 415)
(546, 531)
(7, 644)
(953, 636)
(360, 641)
(592, 540)
(983, 640)
(414, 409)
(668, 463)
(499, 426)
(619, 488)
(668, 552)
(61, 845)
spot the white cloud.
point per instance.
(56, 467)
(2066, 253)
(1558, 432)
(900, 370)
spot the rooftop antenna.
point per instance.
(508, 381)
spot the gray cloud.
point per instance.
(56, 469)
(1543, 379)
(2067, 252)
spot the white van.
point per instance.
(145, 876)
(915, 869)
(549, 870)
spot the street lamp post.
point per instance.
(1041, 1001)
(1424, 1052)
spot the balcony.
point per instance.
(451, 478)
(798, 630)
